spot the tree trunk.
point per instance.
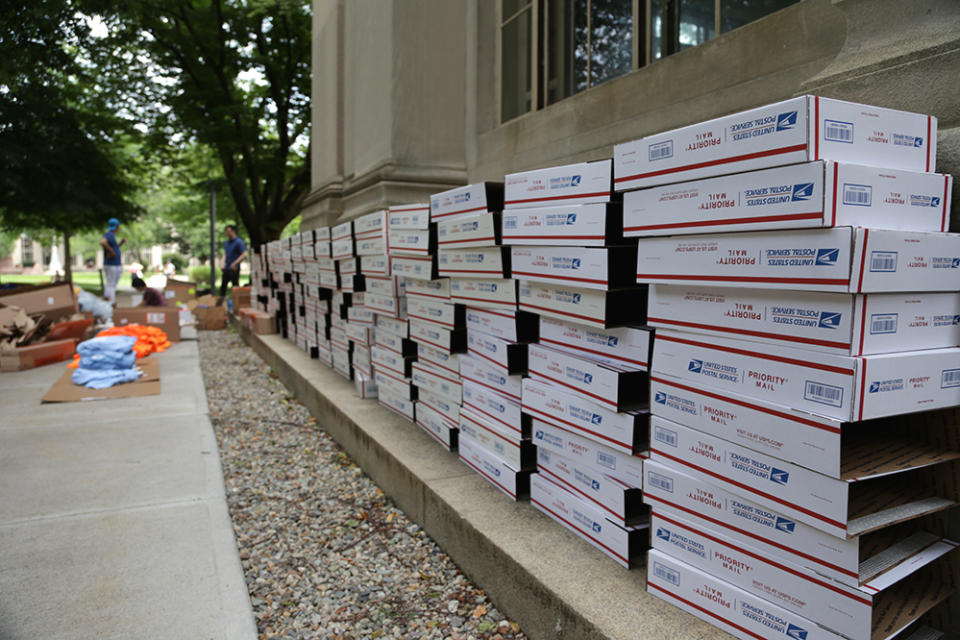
(67, 258)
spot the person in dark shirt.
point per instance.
(112, 260)
(234, 251)
(151, 297)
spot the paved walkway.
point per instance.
(113, 522)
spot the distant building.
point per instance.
(415, 96)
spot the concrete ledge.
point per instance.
(537, 573)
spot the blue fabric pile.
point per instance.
(105, 362)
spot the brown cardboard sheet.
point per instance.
(908, 600)
(64, 390)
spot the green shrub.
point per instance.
(200, 275)
(178, 260)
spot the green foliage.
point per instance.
(178, 261)
(200, 274)
(292, 228)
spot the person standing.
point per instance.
(234, 251)
(112, 263)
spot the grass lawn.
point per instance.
(89, 280)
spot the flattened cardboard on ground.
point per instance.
(729, 608)
(481, 230)
(835, 448)
(622, 348)
(603, 459)
(617, 390)
(842, 323)
(847, 610)
(437, 426)
(508, 357)
(840, 507)
(37, 355)
(514, 483)
(625, 545)
(167, 319)
(64, 390)
(497, 294)
(796, 130)
(512, 326)
(851, 561)
(579, 225)
(619, 501)
(815, 194)
(580, 183)
(599, 309)
(841, 259)
(601, 268)
(468, 200)
(520, 454)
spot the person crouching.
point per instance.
(151, 297)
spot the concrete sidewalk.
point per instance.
(113, 521)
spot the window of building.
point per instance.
(553, 49)
(26, 251)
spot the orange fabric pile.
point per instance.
(149, 339)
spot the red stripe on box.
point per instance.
(493, 388)
(453, 213)
(599, 353)
(554, 237)
(946, 186)
(466, 240)
(929, 127)
(763, 356)
(747, 405)
(749, 489)
(713, 615)
(836, 172)
(597, 398)
(477, 469)
(719, 161)
(863, 324)
(496, 313)
(474, 407)
(579, 531)
(499, 366)
(491, 431)
(565, 313)
(863, 259)
(748, 332)
(533, 274)
(816, 127)
(576, 427)
(447, 271)
(863, 386)
(572, 489)
(813, 215)
(641, 277)
(564, 197)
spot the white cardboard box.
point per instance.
(813, 194)
(376, 264)
(446, 408)
(796, 130)
(843, 387)
(474, 370)
(839, 507)
(612, 462)
(386, 358)
(371, 246)
(841, 323)
(510, 481)
(601, 268)
(411, 242)
(449, 362)
(725, 606)
(437, 381)
(508, 357)
(399, 405)
(391, 286)
(468, 200)
(512, 326)
(481, 230)
(437, 426)
(843, 259)
(483, 262)
(392, 306)
(581, 183)
(446, 314)
(439, 337)
(841, 608)
(500, 294)
(434, 289)
(577, 225)
(600, 309)
(615, 389)
(342, 248)
(626, 432)
(371, 225)
(519, 454)
(619, 501)
(622, 348)
(622, 544)
(414, 268)
(409, 216)
(496, 407)
(364, 384)
(399, 328)
(393, 383)
(342, 230)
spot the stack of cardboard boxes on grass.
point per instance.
(586, 390)
(802, 311)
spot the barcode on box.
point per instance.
(156, 318)
(883, 323)
(660, 482)
(836, 131)
(858, 195)
(666, 436)
(606, 460)
(823, 393)
(660, 150)
(950, 378)
(666, 573)
(884, 261)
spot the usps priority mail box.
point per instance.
(601, 268)
(437, 426)
(502, 410)
(598, 309)
(486, 293)
(510, 357)
(436, 381)
(814, 194)
(409, 216)
(465, 201)
(512, 482)
(842, 259)
(617, 390)
(621, 502)
(475, 370)
(789, 132)
(449, 362)
(512, 326)
(519, 453)
(481, 262)
(481, 230)
(841, 323)
(604, 459)
(571, 225)
(411, 242)
(436, 289)
(445, 314)
(622, 348)
(581, 183)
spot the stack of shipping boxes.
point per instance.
(586, 392)
(795, 437)
(801, 312)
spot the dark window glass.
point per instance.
(611, 39)
(736, 13)
(696, 23)
(567, 48)
(510, 7)
(515, 66)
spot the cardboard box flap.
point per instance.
(899, 513)
(918, 560)
(895, 554)
(866, 456)
(64, 390)
(906, 601)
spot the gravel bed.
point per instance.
(325, 553)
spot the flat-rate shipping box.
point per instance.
(622, 348)
(505, 444)
(508, 357)
(481, 230)
(600, 268)
(842, 259)
(510, 481)
(839, 507)
(840, 323)
(512, 326)
(814, 194)
(851, 561)
(615, 389)
(506, 412)
(571, 225)
(466, 201)
(500, 294)
(848, 388)
(581, 183)
(563, 441)
(599, 309)
(437, 426)
(796, 130)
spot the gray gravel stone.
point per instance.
(325, 553)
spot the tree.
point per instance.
(233, 75)
(61, 153)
